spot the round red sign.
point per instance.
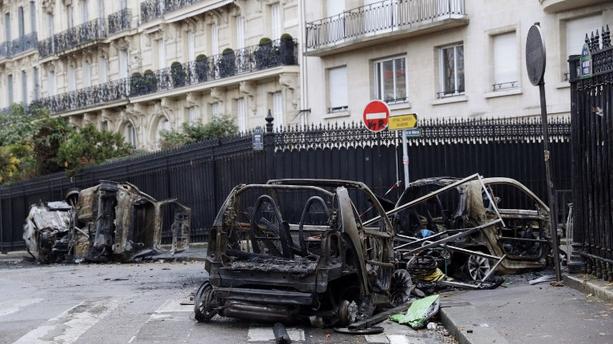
(376, 116)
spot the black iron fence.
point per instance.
(153, 9)
(591, 78)
(379, 17)
(201, 175)
(19, 45)
(85, 34)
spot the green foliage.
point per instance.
(228, 51)
(16, 162)
(201, 58)
(89, 146)
(178, 74)
(265, 41)
(49, 134)
(286, 37)
(17, 126)
(218, 127)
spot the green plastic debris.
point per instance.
(419, 313)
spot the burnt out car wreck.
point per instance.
(267, 262)
(326, 250)
(108, 222)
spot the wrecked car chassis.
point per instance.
(265, 267)
(110, 221)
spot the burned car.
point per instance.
(292, 250)
(512, 222)
(110, 221)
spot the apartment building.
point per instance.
(440, 58)
(19, 75)
(141, 67)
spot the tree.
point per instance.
(90, 146)
(49, 134)
(218, 127)
(16, 163)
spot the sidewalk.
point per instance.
(524, 314)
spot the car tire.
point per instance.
(203, 311)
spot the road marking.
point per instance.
(67, 327)
(398, 339)
(265, 334)
(173, 306)
(14, 306)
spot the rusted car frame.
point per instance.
(268, 268)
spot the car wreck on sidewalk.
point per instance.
(268, 263)
(438, 218)
(108, 222)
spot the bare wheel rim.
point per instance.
(478, 267)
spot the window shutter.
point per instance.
(241, 114)
(87, 74)
(214, 39)
(576, 30)
(277, 108)
(275, 21)
(505, 58)
(240, 32)
(191, 46)
(337, 87)
(102, 70)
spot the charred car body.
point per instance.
(110, 221)
(266, 264)
(521, 234)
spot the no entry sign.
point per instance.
(376, 116)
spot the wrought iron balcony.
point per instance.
(153, 9)
(119, 21)
(87, 97)
(383, 19)
(19, 45)
(72, 38)
(248, 60)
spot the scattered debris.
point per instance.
(110, 221)
(420, 312)
(281, 335)
(542, 279)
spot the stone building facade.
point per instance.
(141, 67)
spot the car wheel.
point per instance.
(203, 311)
(477, 267)
(401, 287)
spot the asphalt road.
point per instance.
(136, 303)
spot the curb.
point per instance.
(590, 285)
(462, 325)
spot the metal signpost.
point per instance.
(406, 123)
(535, 64)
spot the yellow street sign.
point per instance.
(402, 122)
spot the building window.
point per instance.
(193, 115)
(51, 90)
(241, 114)
(214, 28)
(70, 15)
(104, 125)
(240, 32)
(334, 7)
(87, 74)
(101, 8)
(215, 109)
(103, 69)
(33, 15)
(24, 87)
(337, 89)
(21, 22)
(576, 29)
(161, 50)
(7, 27)
(84, 11)
(123, 63)
(506, 61)
(71, 78)
(451, 70)
(191, 46)
(9, 83)
(36, 83)
(391, 80)
(50, 24)
(276, 22)
(129, 134)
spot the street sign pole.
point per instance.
(405, 158)
(535, 63)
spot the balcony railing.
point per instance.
(119, 21)
(84, 34)
(248, 60)
(87, 97)
(153, 9)
(380, 17)
(19, 45)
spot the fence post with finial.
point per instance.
(269, 146)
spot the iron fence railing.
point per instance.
(238, 62)
(84, 34)
(592, 154)
(379, 17)
(86, 97)
(153, 9)
(119, 21)
(19, 45)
